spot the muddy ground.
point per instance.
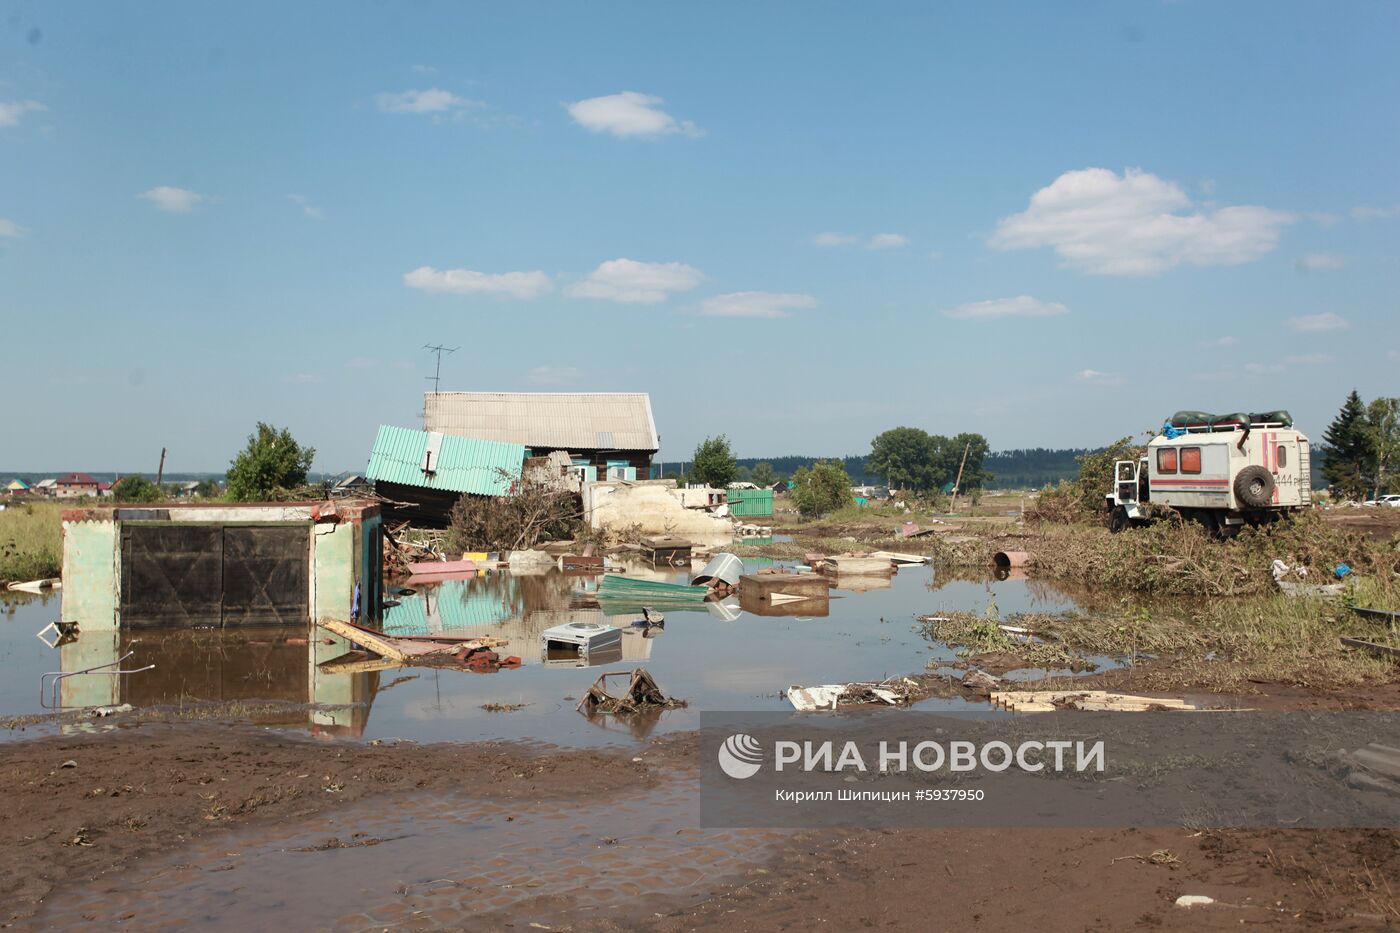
(146, 794)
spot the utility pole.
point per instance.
(160, 472)
(957, 483)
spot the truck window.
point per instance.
(1190, 459)
(1166, 460)
(1282, 453)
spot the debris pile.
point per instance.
(899, 691)
(641, 693)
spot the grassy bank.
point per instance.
(31, 541)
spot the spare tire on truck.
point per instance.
(1254, 487)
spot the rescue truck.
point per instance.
(1224, 471)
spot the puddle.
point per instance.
(439, 862)
(717, 658)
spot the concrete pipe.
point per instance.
(1006, 560)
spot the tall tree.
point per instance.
(905, 457)
(1383, 432)
(714, 463)
(763, 475)
(824, 488)
(1348, 449)
(272, 460)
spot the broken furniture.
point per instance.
(52, 679)
(641, 693)
(671, 551)
(785, 594)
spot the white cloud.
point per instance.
(425, 69)
(887, 241)
(834, 239)
(434, 100)
(1136, 224)
(1317, 323)
(362, 362)
(1308, 359)
(1020, 306)
(173, 200)
(307, 208)
(1094, 377)
(629, 114)
(520, 285)
(302, 378)
(1393, 354)
(1219, 343)
(9, 228)
(1315, 262)
(633, 282)
(11, 111)
(1357, 213)
(552, 375)
(755, 304)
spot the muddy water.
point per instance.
(434, 863)
(719, 658)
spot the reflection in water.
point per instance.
(718, 657)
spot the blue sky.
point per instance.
(798, 224)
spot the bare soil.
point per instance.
(151, 791)
(140, 792)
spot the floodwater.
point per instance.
(440, 862)
(717, 658)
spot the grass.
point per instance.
(31, 541)
(1210, 644)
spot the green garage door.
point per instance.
(214, 575)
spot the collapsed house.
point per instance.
(422, 474)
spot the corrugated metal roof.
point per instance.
(462, 464)
(560, 420)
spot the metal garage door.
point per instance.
(214, 575)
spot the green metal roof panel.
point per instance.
(454, 605)
(462, 464)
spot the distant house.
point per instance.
(351, 485)
(105, 489)
(605, 430)
(76, 485)
(45, 487)
(17, 487)
(186, 490)
(424, 473)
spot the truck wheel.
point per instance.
(1118, 520)
(1254, 487)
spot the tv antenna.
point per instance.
(436, 377)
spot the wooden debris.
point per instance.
(641, 692)
(1045, 701)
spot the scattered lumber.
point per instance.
(1045, 701)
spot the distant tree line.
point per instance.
(1031, 468)
(1362, 447)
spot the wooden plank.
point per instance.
(374, 641)
(358, 662)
